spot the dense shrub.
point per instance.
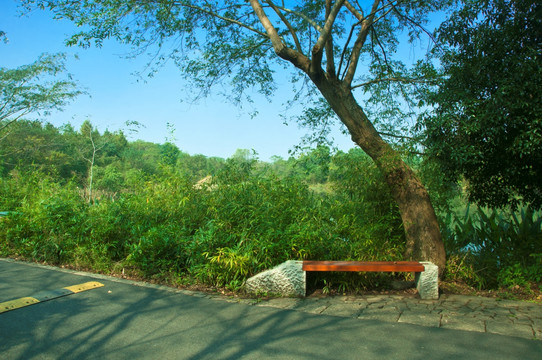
(503, 246)
(150, 214)
(218, 233)
(247, 219)
(47, 223)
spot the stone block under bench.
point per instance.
(290, 277)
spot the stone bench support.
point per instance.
(427, 281)
(289, 279)
(286, 279)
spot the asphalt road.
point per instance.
(126, 321)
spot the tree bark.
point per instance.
(423, 238)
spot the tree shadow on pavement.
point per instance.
(122, 321)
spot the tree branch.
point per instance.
(7, 124)
(301, 15)
(13, 120)
(345, 48)
(392, 79)
(232, 21)
(11, 97)
(409, 19)
(284, 52)
(360, 41)
(288, 25)
(390, 69)
(353, 10)
(325, 34)
(391, 6)
(330, 67)
(397, 136)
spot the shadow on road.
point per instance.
(121, 321)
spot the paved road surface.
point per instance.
(125, 321)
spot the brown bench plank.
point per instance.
(360, 266)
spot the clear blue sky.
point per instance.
(213, 127)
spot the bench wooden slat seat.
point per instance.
(363, 266)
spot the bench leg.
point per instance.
(286, 279)
(427, 282)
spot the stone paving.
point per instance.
(460, 312)
(470, 313)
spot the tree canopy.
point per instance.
(487, 123)
(243, 44)
(34, 88)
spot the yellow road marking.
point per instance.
(84, 287)
(17, 303)
(48, 295)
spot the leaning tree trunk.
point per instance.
(423, 238)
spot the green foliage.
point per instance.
(314, 165)
(33, 88)
(335, 48)
(162, 226)
(486, 125)
(500, 245)
(228, 267)
(32, 145)
(520, 275)
(159, 251)
(365, 201)
(47, 224)
(461, 267)
(247, 217)
(109, 179)
(169, 153)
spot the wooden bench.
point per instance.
(290, 277)
(364, 266)
(426, 273)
